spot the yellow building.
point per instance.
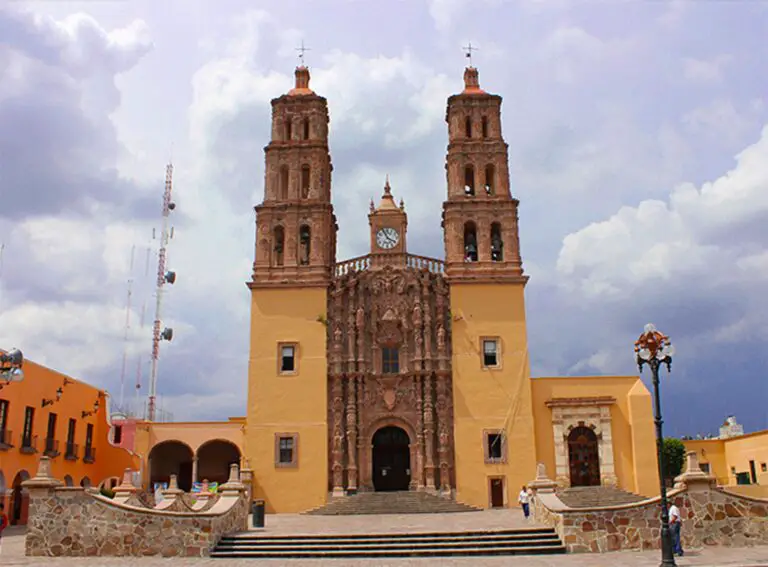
(394, 371)
(735, 459)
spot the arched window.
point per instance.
(305, 237)
(304, 181)
(497, 243)
(288, 128)
(469, 180)
(284, 182)
(485, 126)
(470, 242)
(279, 245)
(490, 173)
(306, 128)
(468, 127)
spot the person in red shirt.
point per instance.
(3, 521)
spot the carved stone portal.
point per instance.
(594, 414)
(389, 342)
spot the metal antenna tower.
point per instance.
(125, 334)
(163, 277)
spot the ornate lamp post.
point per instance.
(10, 366)
(654, 349)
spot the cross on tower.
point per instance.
(469, 49)
(301, 51)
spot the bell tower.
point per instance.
(286, 436)
(491, 374)
(480, 214)
(296, 227)
(388, 224)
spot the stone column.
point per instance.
(337, 449)
(429, 433)
(352, 435)
(419, 468)
(194, 469)
(443, 434)
(41, 494)
(562, 474)
(605, 449)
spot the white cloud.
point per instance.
(657, 241)
(705, 70)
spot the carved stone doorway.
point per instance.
(391, 459)
(584, 457)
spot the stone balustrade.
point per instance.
(711, 516)
(66, 521)
(362, 263)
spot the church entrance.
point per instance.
(583, 457)
(391, 459)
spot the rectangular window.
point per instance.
(51, 445)
(71, 431)
(3, 414)
(70, 451)
(390, 360)
(495, 448)
(118, 437)
(286, 449)
(704, 467)
(51, 425)
(287, 353)
(764, 467)
(88, 437)
(491, 353)
(29, 418)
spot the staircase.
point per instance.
(391, 503)
(596, 496)
(528, 541)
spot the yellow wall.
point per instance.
(734, 452)
(288, 404)
(41, 383)
(634, 440)
(491, 399)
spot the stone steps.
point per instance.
(410, 502)
(528, 541)
(596, 496)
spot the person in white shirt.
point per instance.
(675, 523)
(524, 500)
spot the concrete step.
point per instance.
(529, 541)
(597, 496)
(391, 503)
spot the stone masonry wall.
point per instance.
(77, 522)
(710, 517)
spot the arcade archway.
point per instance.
(391, 459)
(214, 459)
(171, 457)
(19, 500)
(583, 457)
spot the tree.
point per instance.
(674, 456)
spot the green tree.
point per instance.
(674, 456)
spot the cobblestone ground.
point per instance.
(12, 551)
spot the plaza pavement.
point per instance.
(12, 551)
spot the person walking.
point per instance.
(524, 499)
(675, 524)
(3, 523)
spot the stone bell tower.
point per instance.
(388, 223)
(286, 429)
(491, 374)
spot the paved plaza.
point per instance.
(12, 553)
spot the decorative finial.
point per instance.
(373, 207)
(469, 49)
(402, 204)
(387, 188)
(301, 51)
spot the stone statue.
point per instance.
(441, 338)
(360, 319)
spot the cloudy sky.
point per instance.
(638, 137)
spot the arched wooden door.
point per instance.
(391, 459)
(583, 457)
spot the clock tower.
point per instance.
(388, 224)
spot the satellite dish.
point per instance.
(170, 276)
(167, 334)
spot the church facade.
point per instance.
(394, 371)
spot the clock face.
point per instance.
(387, 238)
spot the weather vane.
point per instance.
(301, 51)
(469, 49)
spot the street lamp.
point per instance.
(10, 366)
(654, 349)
